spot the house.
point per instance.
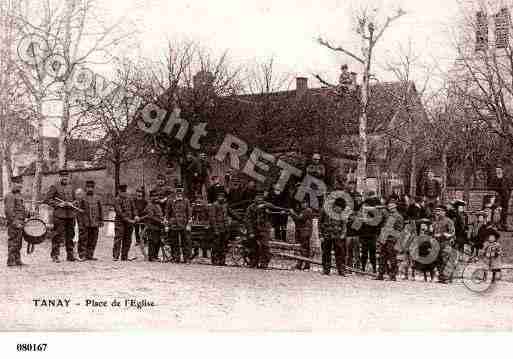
(307, 120)
(80, 154)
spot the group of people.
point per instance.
(167, 216)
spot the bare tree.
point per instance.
(370, 33)
(111, 123)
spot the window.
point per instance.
(481, 31)
(502, 24)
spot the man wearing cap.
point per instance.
(140, 204)
(15, 214)
(89, 222)
(460, 225)
(258, 225)
(153, 217)
(60, 196)
(502, 186)
(201, 217)
(369, 231)
(304, 226)
(220, 224)
(204, 173)
(389, 237)
(431, 190)
(179, 213)
(333, 229)
(123, 225)
(162, 191)
(444, 232)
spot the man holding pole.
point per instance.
(60, 197)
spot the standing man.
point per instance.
(153, 217)
(317, 170)
(502, 186)
(89, 222)
(279, 199)
(140, 204)
(303, 220)
(162, 191)
(444, 232)
(179, 213)
(220, 225)
(124, 224)
(191, 174)
(60, 197)
(390, 234)
(258, 225)
(431, 190)
(204, 174)
(369, 231)
(15, 214)
(333, 228)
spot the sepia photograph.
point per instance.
(255, 166)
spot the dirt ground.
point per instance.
(203, 297)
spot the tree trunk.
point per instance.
(413, 173)
(467, 178)
(361, 175)
(444, 173)
(117, 171)
(67, 86)
(36, 185)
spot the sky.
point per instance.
(254, 30)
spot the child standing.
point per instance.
(493, 252)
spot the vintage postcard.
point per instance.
(255, 166)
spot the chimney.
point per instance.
(301, 86)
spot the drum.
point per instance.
(34, 231)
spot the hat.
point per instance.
(17, 179)
(458, 203)
(161, 177)
(424, 221)
(90, 183)
(316, 156)
(179, 189)
(492, 231)
(63, 172)
(440, 208)
(122, 187)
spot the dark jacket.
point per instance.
(92, 215)
(125, 209)
(15, 212)
(55, 194)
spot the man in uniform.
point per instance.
(89, 222)
(204, 174)
(201, 219)
(192, 168)
(153, 217)
(179, 213)
(123, 225)
(503, 188)
(303, 220)
(15, 214)
(369, 232)
(333, 228)
(258, 225)
(60, 197)
(220, 225)
(140, 204)
(444, 232)
(431, 190)
(388, 239)
(162, 191)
